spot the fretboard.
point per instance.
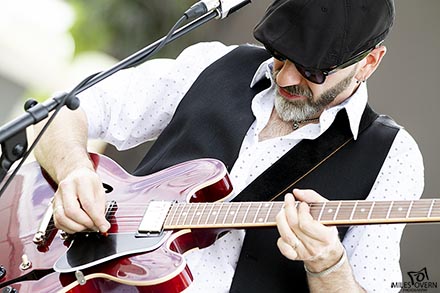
(263, 214)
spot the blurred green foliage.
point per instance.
(120, 28)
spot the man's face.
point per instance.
(299, 99)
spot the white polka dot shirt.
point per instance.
(135, 105)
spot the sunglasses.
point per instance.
(318, 76)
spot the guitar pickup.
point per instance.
(154, 218)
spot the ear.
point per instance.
(370, 63)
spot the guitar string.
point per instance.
(130, 225)
(418, 209)
(377, 211)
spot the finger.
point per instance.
(293, 218)
(94, 205)
(291, 210)
(72, 208)
(318, 240)
(64, 223)
(308, 231)
(308, 195)
(285, 231)
(287, 250)
(306, 224)
(312, 228)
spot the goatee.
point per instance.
(298, 110)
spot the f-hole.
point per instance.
(107, 188)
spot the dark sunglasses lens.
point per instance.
(315, 76)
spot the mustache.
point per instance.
(298, 90)
(294, 89)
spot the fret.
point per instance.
(269, 210)
(264, 212)
(209, 214)
(337, 210)
(219, 211)
(176, 214)
(361, 211)
(171, 215)
(202, 214)
(409, 209)
(389, 210)
(354, 209)
(344, 211)
(227, 213)
(236, 212)
(232, 214)
(185, 214)
(371, 210)
(329, 211)
(322, 210)
(197, 205)
(420, 209)
(436, 209)
(399, 210)
(181, 213)
(430, 208)
(246, 213)
(257, 212)
(380, 210)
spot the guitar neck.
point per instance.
(332, 213)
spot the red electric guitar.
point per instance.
(153, 223)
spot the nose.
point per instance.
(288, 75)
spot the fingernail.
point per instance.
(298, 192)
(104, 227)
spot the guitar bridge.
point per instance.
(154, 218)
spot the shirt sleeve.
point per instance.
(135, 104)
(374, 250)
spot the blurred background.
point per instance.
(50, 45)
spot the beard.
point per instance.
(298, 110)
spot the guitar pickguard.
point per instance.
(90, 249)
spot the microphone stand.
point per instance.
(13, 137)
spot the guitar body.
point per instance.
(132, 262)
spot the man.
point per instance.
(298, 120)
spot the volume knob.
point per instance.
(2, 272)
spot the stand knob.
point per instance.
(29, 104)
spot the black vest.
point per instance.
(212, 120)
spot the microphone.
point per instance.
(223, 7)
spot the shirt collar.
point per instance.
(354, 105)
(263, 71)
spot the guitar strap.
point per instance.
(336, 166)
(306, 156)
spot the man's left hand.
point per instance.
(304, 238)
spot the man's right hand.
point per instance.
(79, 202)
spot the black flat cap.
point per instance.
(321, 34)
